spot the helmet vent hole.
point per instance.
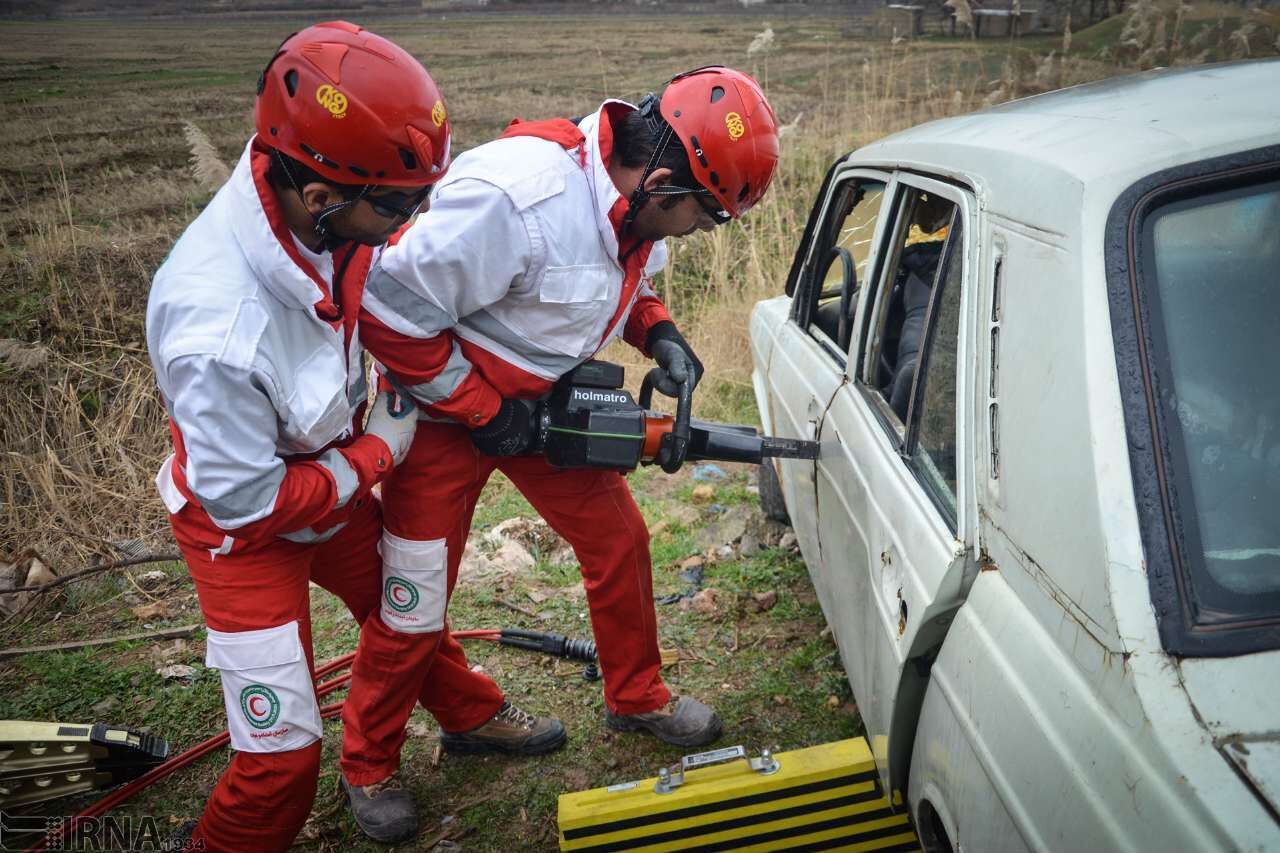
(717, 92)
(697, 150)
(291, 81)
(274, 131)
(715, 179)
(317, 156)
(406, 157)
(746, 189)
(381, 175)
(358, 171)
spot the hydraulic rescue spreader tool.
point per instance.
(589, 421)
(42, 761)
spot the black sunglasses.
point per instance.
(398, 205)
(711, 207)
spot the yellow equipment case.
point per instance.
(825, 797)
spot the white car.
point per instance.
(1040, 347)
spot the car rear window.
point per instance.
(1211, 272)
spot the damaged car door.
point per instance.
(894, 493)
(799, 359)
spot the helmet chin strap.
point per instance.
(328, 241)
(649, 110)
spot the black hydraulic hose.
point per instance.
(549, 644)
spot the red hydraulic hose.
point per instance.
(200, 750)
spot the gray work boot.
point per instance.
(511, 730)
(384, 811)
(683, 721)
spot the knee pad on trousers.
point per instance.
(415, 583)
(267, 688)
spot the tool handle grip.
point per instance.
(675, 444)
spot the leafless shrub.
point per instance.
(1156, 51)
(22, 356)
(206, 166)
(1156, 34)
(762, 43)
(790, 127)
(1046, 73)
(1239, 40)
(963, 11)
(1136, 35)
(1005, 86)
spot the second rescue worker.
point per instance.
(535, 254)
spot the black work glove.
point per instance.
(674, 355)
(509, 433)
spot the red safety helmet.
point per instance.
(354, 107)
(728, 130)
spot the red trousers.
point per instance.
(430, 498)
(264, 797)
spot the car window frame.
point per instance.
(911, 443)
(902, 436)
(806, 276)
(1153, 467)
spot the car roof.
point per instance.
(1098, 137)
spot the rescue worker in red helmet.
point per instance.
(537, 252)
(251, 328)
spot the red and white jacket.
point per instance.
(512, 277)
(261, 370)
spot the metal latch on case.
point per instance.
(673, 777)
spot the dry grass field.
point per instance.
(98, 181)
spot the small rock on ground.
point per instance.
(762, 601)
(766, 531)
(706, 602)
(725, 530)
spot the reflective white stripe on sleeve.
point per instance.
(344, 476)
(230, 428)
(455, 371)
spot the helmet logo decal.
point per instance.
(733, 121)
(332, 100)
(438, 115)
